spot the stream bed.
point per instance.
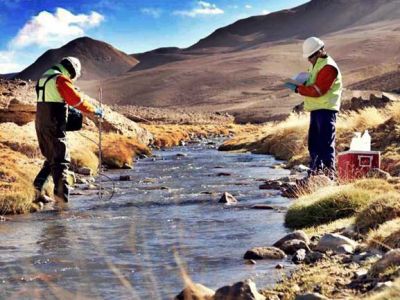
(166, 221)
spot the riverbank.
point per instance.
(363, 217)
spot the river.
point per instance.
(164, 222)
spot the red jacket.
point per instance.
(72, 96)
(325, 78)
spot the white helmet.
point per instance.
(73, 65)
(312, 45)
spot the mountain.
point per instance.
(99, 60)
(317, 17)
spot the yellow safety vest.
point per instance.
(331, 100)
(46, 88)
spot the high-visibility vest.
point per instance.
(46, 87)
(331, 100)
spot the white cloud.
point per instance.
(248, 6)
(153, 12)
(8, 62)
(265, 12)
(47, 29)
(203, 8)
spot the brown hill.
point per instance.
(99, 60)
(317, 17)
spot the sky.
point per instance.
(30, 27)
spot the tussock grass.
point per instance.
(16, 177)
(326, 205)
(390, 293)
(384, 208)
(386, 236)
(287, 140)
(84, 157)
(119, 151)
(330, 227)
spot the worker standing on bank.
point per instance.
(55, 97)
(323, 92)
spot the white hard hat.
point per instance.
(73, 62)
(312, 45)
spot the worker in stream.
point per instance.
(58, 103)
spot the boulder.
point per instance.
(195, 291)
(85, 171)
(296, 235)
(299, 256)
(243, 290)
(311, 296)
(290, 247)
(336, 243)
(264, 253)
(271, 185)
(228, 199)
(390, 259)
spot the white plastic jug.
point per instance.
(356, 143)
(366, 141)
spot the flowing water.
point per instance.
(163, 223)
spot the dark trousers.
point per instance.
(322, 141)
(52, 143)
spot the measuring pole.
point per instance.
(100, 146)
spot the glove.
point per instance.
(291, 86)
(99, 112)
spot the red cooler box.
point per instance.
(356, 164)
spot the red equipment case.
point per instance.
(356, 164)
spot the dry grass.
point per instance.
(119, 151)
(16, 176)
(169, 135)
(386, 236)
(390, 293)
(287, 140)
(383, 208)
(330, 227)
(84, 157)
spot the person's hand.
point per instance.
(99, 112)
(291, 86)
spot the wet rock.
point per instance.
(224, 174)
(300, 169)
(85, 171)
(336, 243)
(196, 291)
(181, 155)
(149, 180)
(125, 178)
(264, 253)
(311, 296)
(228, 199)
(3, 219)
(296, 235)
(279, 266)
(390, 259)
(250, 262)
(262, 206)
(90, 187)
(243, 290)
(44, 199)
(271, 185)
(313, 257)
(378, 173)
(299, 256)
(292, 246)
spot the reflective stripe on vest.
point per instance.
(46, 88)
(331, 100)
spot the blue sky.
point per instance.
(30, 27)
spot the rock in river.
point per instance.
(228, 199)
(196, 291)
(243, 290)
(296, 235)
(290, 247)
(264, 253)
